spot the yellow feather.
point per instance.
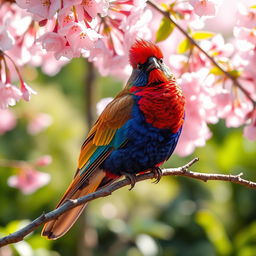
(85, 155)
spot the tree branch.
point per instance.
(193, 42)
(106, 191)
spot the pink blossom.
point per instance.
(52, 41)
(245, 37)
(26, 91)
(223, 102)
(246, 16)
(42, 9)
(236, 116)
(250, 130)
(40, 122)
(7, 120)
(90, 9)
(199, 110)
(44, 160)
(6, 39)
(29, 180)
(126, 21)
(49, 63)
(187, 12)
(56, 43)
(217, 46)
(9, 95)
(205, 7)
(81, 39)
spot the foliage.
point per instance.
(179, 216)
(175, 217)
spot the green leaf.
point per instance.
(183, 46)
(216, 71)
(202, 35)
(153, 228)
(235, 73)
(165, 29)
(215, 231)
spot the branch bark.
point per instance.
(193, 42)
(180, 171)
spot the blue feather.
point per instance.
(146, 145)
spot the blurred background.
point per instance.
(178, 216)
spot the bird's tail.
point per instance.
(58, 227)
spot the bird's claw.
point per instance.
(131, 178)
(157, 174)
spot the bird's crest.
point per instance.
(141, 50)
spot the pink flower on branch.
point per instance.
(205, 7)
(39, 123)
(89, 9)
(29, 180)
(26, 91)
(7, 120)
(9, 95)
(250, 130)
(246, 38)
(52, 41)
(200, 110)
(6, 39)
(42, 9)
(44, 160)
(246, 16)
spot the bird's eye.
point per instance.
(161, 61)
(139, 66)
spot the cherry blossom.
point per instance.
(6, 39)
(7, 120)
(29, 180)
(9, 95)
(246, 16)
(44, 160)
(199, 108)
(250, 130)
(38, 123)
(52, 41)
(246, 38)
(48, 34)
(90, 8)
(205, 7)
(42, 9)
(26, 91)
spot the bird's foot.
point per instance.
(131, 178)
(157, 174)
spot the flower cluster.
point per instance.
(49, 33)
(28, 179)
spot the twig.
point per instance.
(193, 42)
(180, 171)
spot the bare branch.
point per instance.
(180, 171)
(193, 42)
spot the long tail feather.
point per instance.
(58, 227)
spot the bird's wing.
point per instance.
(100, 142)
(114, 116)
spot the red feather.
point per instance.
(167, 101)
(141, 50)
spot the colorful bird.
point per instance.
(136, 132)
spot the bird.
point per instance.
(136, 132)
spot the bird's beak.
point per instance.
(152, 64)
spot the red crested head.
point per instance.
(141, 50)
